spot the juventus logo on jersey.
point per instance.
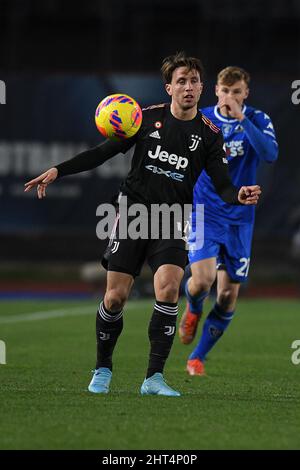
(195, 142)
(170, 330)
(115, 247)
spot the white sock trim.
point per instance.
(106, 316)
(166, 309)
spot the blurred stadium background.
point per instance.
(58, 61)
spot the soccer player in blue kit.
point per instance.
(249, 139)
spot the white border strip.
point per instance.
(46, 314)
(62, 313)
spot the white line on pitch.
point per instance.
(62, 313)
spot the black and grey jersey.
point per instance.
(168, 158)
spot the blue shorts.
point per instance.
(229, 244)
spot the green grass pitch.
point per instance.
(250, 398)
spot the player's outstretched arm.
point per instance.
(41, 182)
(84, 161)
(249, 195)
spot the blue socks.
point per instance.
(214, 326)
(196, 302)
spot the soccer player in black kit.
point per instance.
(174, 144)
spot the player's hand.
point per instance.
(249, 195)
(41, 182)
(231, 106)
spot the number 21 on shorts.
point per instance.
(244, 269)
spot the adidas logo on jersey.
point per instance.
(172, 158)
(155, 134)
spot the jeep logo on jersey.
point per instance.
(172, 158)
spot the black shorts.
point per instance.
(128, 256)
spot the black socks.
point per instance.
(109, 326)
(162, 329)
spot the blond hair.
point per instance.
(232, 74)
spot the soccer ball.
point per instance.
(118, 117)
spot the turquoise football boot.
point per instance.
(155, 385)
(100, 381)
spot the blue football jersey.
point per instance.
(243, 160)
